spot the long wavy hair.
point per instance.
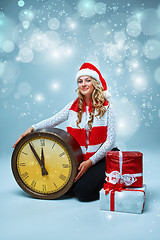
(98, 100)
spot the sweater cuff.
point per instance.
(93, 162)
(34, 127)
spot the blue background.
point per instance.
(42, 46)
(36, 85)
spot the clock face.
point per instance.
(57, 163)
(43, 165)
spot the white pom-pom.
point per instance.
(107, 94)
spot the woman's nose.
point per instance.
(83, 83)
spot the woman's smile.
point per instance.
(85, 88)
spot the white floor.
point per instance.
(23, 217)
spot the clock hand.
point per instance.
(44, 171)
(42, 157)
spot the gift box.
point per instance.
(128, 200)
(125, 168)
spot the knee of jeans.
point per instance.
(82, 190)
(84, 193)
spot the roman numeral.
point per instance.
(62, 177)
(25, 153)
(22, 164)
(65, 165)
(44, 188)
(42, 142)
(55, 185)
(53, 145)
(33, 184)
(61, 154)
(25, 175)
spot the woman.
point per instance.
(91, 122)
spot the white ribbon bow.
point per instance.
(127, 179)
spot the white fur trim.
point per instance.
(88, 72)
(107, 94)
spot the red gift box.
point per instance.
(124, 169)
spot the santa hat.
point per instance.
(90, 70)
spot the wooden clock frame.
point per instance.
(68, 142)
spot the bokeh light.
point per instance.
(26, 24)
(39, 98)
(25, 55)
(120, 37)
(132, 64)
(109, 216)
(152, 49)
(38, 41)
(26, 15)
(150, 21)
(54, 23)
(9, 72)
(128, 118)
(134, 29)
(118, 71)
(100, 8)
(70, 24)
(139, 82)
(86, 8)
(157, 75)
(133, 49)
(8, 46)
(21, 3)
(60, 53)
(22, 33)
(115, 52)
(55, 86)
(6, 28)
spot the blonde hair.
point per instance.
(98, 100)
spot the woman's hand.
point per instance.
(83, 167)
(29, 130)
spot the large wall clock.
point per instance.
(45, 163)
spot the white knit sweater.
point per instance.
(63, 116)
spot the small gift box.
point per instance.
(128, 200)
(124, 168)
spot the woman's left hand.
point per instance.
(83, 167)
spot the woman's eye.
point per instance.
(79, 81)
(88, 80)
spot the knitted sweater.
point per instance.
(65, 114)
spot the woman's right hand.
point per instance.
(29, 130)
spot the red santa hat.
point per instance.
(88, 69)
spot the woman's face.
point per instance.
(85, 85)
